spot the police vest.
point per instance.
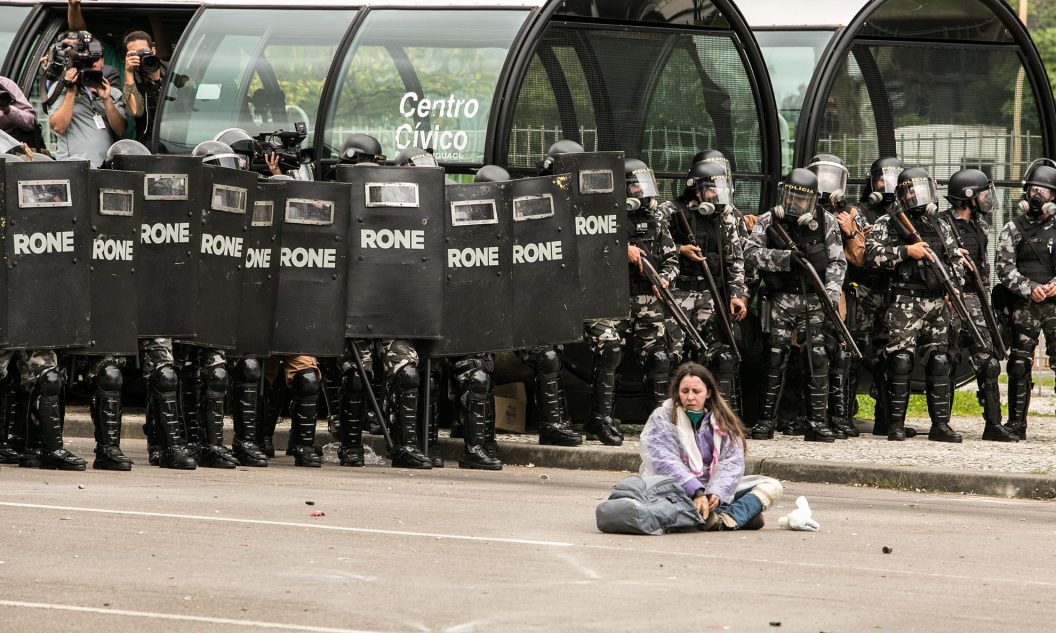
(811, 242)
(707, 231)
(1034, 256)
(974, 240)
(917, 274)
(644, 231)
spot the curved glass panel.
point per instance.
(258, 69)
(11, 19)
(965, 20)
(423, 78)
(700, 13)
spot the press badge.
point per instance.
(100, 124)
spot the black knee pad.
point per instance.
(819, 358)
(248, 370)
(608, 358)
(938, 364)
(216, 379)
(306, 384)
(659, 362)
(109, 379)
(406, 378)
(49, 383)
(725, 364)
(353, 382)
(164, 379)
(900, 364)
(989, 368)
(549, 362)
(1018, 366)
(776, 357)
(478, 383)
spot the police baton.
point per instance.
(370, 395)
(1000, 350)
(669, 302)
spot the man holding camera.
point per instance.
(144, 74)
(17, 116)
(90, 115)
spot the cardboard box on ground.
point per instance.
(511, 407)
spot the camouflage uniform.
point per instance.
(720, 243)
(917, 318)
(795, 306)
(41, 432)
(204, 382)
(476, 410)
(1025, 261)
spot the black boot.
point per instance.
(554, 429)
(1019, 387)
(48, 412)
(190, 407)
(729, 385)
(939, 394)
(434, 427)
(475, 416)
(331, 396)
(303, 409)
(245, 413)
(275, 397)
(900, 366)
(106, 416)
(879, 392)
(776, 360)
(600, 425)
(839, 398)
(989, 398)
(404, 398)
(351, 424)
(12, 438)
(163, 415)
(213, 452)
(658, 373)
(818, 429)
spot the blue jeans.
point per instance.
(742, 509)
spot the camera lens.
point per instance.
(148, 62)
(5, 99)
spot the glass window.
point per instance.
(165, 187)
(263, 212)
(116, 201)
(305, 211)
(258, 69)
(390, 194)
(10, 20)
(229, 199)
(44, 193)
(533, 207)
(417, 78)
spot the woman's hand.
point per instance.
(713, 502)
(702, 504)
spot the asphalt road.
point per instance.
(461, 551)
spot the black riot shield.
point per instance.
(260, 271)
(47, 248)
(597, 202)
(117, 207)
(478, 305)
(167, 262)
(310, 308)
(395, 277)
(227, 199)
(546, 285)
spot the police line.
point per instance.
(166, 246)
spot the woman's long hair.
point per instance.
(722, 416)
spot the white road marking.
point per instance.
(311, 526)
(586, 571)
(183, 618)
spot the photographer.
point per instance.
(89, 118)
(144, 75)
(17, 116)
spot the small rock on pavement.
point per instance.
(775, 623)
(317, 513)
(544, 477)
(887, 550)
(309, 503)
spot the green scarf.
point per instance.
(695, 418)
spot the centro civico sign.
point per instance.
(447, 144)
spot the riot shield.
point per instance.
(47, 247)
(310, 307)
(597, 202)
(478, 314)
(228, 196)
(167, 262)
(260, 271)
(395, 279)
(117, 206)
(546, 286)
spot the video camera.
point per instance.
(287, 145)
(75, 49)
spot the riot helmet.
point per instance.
(219, 154)
(492, 173)
(9, 144)
(883, 181)
(916, 191)
(710, 185)
(281, 177)
(415, 157)
(40, 157)
(358, 148)
(832, 177)
(124, 147)
(797, 196)
(973, 189)
(12, 158)
(641, 185)
(242, 143)
(1039, 191)
(563, 146)
(714, 156)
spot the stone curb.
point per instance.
(1012, 485)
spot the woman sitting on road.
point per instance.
(695, 438)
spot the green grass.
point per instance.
(1044, 381)
(964, 404)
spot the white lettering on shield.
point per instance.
(160, 233)
(40, 243)
(536, 252)
(596, 225)
(386, 238)
(111, 250)
(308, 258)
(258, 258)
(221, 245)
(472, 257)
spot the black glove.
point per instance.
(796, 258)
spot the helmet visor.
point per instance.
(886, 181)
(832, 177)
(1037, 192)
(722, 161)
(917, 192)
(641, 183)
(715, 190)
(231, 161)
(986, 199)
(797, 201)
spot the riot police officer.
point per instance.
(917, 318)
(705, 231)
(973, 198)
(1026, 267)
(793, 304)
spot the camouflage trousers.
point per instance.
(644, 328)
(204, 358)
(31, 363)
(700, 308)
(394, 354)
(916, 324)
(1029, 320)
(155, 353)
(602, 334)
(961, 337)
(801, 314)
(869, 308)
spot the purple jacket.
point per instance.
(22, 116)
(662, 454)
